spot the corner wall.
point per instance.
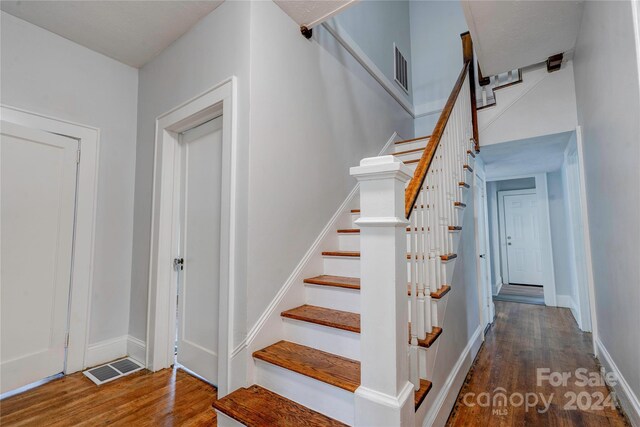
(47, 74)
(607, 86)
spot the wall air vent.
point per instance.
(401, 69)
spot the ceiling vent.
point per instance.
(401, 70)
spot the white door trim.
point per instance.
(587, 238)
(221, 99)
(83, 243)
(548, 275)
(479, 182)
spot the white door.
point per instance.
(523, 239)
(483, 268)
(199, 281)
(38, 174)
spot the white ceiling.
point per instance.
(312, 12)
(133, 32)
(514, 34)
(525, 157)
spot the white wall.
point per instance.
(375, 26)
(215, 49)
(543, 104)
(436, 52)
(315, 112)
(607, 91)
(47, 74)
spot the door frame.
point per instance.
(504, 265)
(84, 226)
(219, 100)
(483, 282)
(544, 223)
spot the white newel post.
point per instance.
(385, 396)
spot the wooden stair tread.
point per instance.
(354, 283)
(435, 295)
(351, 254)
(463, 184)
(325, 316)
(408, 162)
(430, 337)
(471, 153)
(337, 281)
(357, 230)
(356, 254)
(413, 139)
(467, 167)
(415, 150)
(459, 204)
(344, 320)
(326, 367)
(441, 292)
(420, 395)
(455, 227)
(258, 407)
(355, 210)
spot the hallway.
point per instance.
(526, 338)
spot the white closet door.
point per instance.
(523, 239)
(200, 248)
(38, 186)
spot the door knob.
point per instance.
(178, 264)
(481, 255)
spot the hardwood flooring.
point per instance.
(524, 338)
(521, 293)
(166, 398)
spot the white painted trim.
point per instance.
(271, 312)
(106, 351)
(499, 288)
(446, 398)
(358, 54)
(136, 349)
(548, 268)
(627, 399)
(162, 278)
(504, 267)
(479, 185)
(83, 244)
(587, 237)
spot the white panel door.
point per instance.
(199, 281)
(523, 239)
(38, 174)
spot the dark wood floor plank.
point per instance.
(526, 337)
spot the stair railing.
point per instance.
(388, 262)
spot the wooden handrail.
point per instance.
(413, 189)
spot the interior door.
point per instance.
(485, 286)
(199, 280)
(38, 190)
(523, 239)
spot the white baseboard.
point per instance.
(628, 400)
(105, 351)
(567, 301)
(136, 349)
(499, 288)
(446, 398)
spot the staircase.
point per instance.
(360, 355)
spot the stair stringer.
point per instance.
(270, 327)
(459, 314)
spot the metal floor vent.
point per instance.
(112, 371)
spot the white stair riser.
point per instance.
(354, 217)
(333, 297)
(437, 310)
(349, 241)
(422, 143)
(332, 340)
(342, 266)
(350, 266)
(332, 401)
(225, 421)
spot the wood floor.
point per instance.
(526, 337)
(166, 398)
(521, 293)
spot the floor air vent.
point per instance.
(112, 371)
